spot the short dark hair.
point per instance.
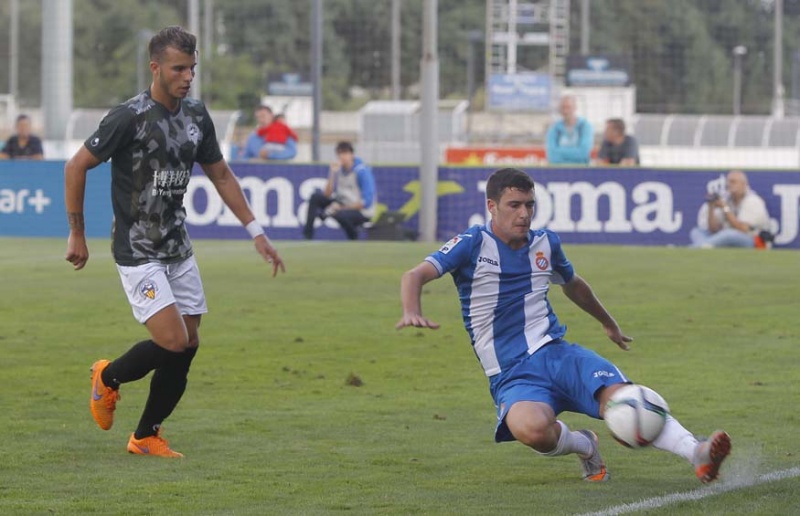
(618, 124)
(22, 117)
(175, 37)
(507, 178)
(344, 147)
(263, 107)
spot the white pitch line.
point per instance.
(660, 501)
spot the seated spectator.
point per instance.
(618, 148)
(569, 140)
(349, 195)
(734, 217)
(23, 144)
(272, 139)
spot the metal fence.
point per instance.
(698, 82)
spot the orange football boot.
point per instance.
(103, 401)
(154, 445)
(709, 455)
(594, 469)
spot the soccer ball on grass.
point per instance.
(635, 415)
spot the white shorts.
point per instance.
(153, 286)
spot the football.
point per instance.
(635, 415)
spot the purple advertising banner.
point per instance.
(584, 205)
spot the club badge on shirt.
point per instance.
(541, 262)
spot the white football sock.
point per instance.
(676, 439)
(571, 442)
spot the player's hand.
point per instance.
(416, 320)
(615, 334)
(77, 251)
(269, 253)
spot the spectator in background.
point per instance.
(23, 144)
(618, 148)
(569, 140)
(349, 195)
(272, 139)
(734, 217)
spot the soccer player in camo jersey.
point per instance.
(153, 140)
(502, 271)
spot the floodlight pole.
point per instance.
(316, 76)
(142, 59)
(585, 27)
(56, 67)
(395, 35)
(13, 50)
(194, 28)
(777, 80)
(208, 44)
(428, 124)
(738, 52)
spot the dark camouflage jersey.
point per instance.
(152, 152)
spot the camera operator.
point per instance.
(736, 217)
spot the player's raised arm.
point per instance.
(411, 296)
(581, 293)
(74, 191)
(229, 189)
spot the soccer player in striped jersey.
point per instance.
(502, 271)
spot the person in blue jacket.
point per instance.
(349, 196)
(569, 140)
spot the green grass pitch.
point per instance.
(270, 423)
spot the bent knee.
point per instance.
(176, 341)
(540, 439)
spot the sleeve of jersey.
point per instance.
(453, 254)
(115, 131)
(562, 268)
(209, 151)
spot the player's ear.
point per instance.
(492, 206)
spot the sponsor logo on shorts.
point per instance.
(95, 141)
(541, 261)
(148, 289)
(600, 374)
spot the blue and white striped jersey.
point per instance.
(503, 292)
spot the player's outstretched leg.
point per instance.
(710, 454)
(103, 401)
(153, 445)
(705, 456)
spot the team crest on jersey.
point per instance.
(148, 289)
(446, 248)
(193, 132)
(541, 262)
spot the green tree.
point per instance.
(107, 46)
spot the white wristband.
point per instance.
(254, 228)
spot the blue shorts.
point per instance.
(563, 375)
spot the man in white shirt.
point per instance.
(732, 218)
